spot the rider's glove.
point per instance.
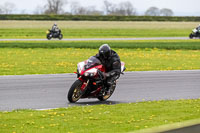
(105, 75)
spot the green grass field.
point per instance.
(100, 118)
(18, 58)
(94, 29)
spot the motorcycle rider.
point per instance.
(198, 29)
(111, 61)
(55, 29)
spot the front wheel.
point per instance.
(191, 36)
(105, 96)
(49, 36)
(75, 92)
(60, 36)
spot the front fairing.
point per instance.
(91, 65)
(92, 62)
(80, 67)
(47, 32)
(194, 30)
(122, 67)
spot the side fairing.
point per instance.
(122, 66)
(80, 66)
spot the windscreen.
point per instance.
(91, 62)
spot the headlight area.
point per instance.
(92, 72)
(86, 74)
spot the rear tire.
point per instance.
(75, 92)
(104, 97)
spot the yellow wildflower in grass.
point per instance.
(64, 64)
(55, 113)
(53, 125)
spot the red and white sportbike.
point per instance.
(91, 83)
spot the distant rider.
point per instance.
(55, 29)
(198, 29)
(111, 61)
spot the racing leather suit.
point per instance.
(198, 30)
(112, 66)
(55, 29)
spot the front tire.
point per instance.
(60, 36)
(49, 36)
(75, 92)
(191, 36)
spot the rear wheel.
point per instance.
(108, 94)
(75, 92)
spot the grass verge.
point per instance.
(94, 29)
(181, 127)
(95, 33)
(18, 58)
(20, 61)
(101, 118)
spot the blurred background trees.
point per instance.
(166, 12)
(125, 8)
(7, 8)
(54, 6)
(77, 9)
(154, 11)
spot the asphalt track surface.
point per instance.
(49, 91)
(103, 39)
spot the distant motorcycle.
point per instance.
(90, 82)
(195, 33)
(52, 34)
